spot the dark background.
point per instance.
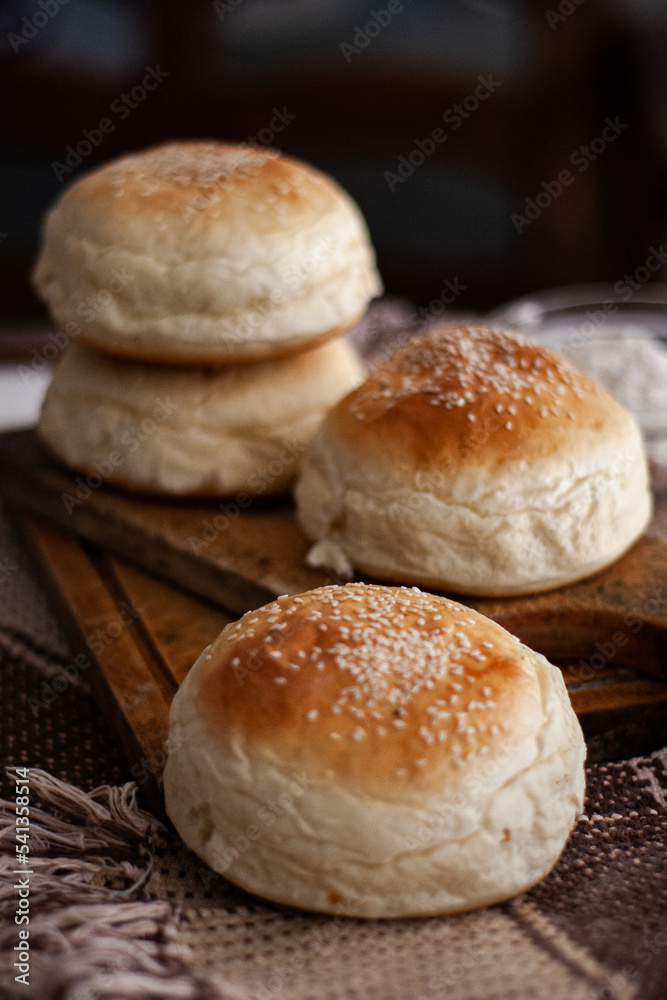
(559, 69)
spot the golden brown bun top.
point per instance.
(205, 181)
(387, 689)
(475, 396)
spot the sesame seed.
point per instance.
(312, 714)
(509, 425)
(390, 666)
(471, 417)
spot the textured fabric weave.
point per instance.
(594, 928)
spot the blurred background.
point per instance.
(503, 146)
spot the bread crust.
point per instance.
(197, 432)
(205, 253)
(381, 751)
(477, 462)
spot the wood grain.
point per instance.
(240, 562)
(242, 559)
(137, 668)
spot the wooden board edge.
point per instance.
(71, 580)
(571, 622)
(69, 566)
(213, 582)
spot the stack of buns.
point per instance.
(206, 287)
(366, 750)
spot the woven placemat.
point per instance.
(594, 928)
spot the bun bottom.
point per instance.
(506, 530)
(192, 432)
(165, 352)
(442, 584)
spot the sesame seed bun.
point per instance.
(179, 431)
(476, 461)
(205, 253)
(374, 751)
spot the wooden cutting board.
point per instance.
(241, 559)
(137, 636)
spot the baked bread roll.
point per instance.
(478, 462)
(205, 253)
(192, 431)
(375, 752)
